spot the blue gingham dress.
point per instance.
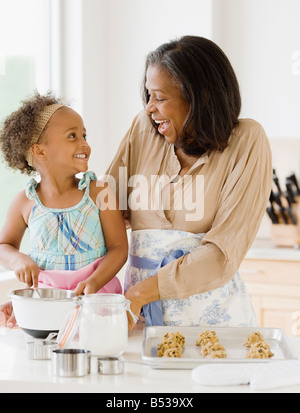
(65, 239)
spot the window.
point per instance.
(24, 67)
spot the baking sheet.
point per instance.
(232, 338)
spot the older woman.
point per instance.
(195, 182)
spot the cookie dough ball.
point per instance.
(166, 345)
(160, 350)
(171, 345)
(175, 352)
(253, 338)
(220, 354)
(206, 338)
(260, 350)
(214, 350)
(177, 337)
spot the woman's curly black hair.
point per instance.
(18, 128)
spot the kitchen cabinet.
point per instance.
(273, 282)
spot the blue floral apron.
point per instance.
(227, 306)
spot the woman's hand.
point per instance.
(27, 270)
(141, 294)
(135, 305)
(7, 317)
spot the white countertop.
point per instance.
(18, 374)
(263, 249)
(276, 254)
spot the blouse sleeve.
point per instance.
(242, 204)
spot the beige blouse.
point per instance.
(223, 195)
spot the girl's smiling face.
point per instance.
(166, 104)
(64, 141)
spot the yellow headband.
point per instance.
(41, 123)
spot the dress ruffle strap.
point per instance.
(84, 183)
(30, 190)
(86, 180)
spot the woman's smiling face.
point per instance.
(166, 104)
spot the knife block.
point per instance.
(283, 235)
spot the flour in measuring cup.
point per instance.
(104, 335)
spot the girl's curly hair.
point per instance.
(18, 128)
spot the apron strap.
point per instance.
(150, 264)
(153, 311)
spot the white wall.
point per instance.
(260, 37)
(133, 28)
(105, 43)
(116, 37)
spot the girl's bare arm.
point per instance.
(11, 237)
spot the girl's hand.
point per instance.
(7, 317)
(27, 271)
(86, 287)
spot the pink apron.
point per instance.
(68, 280)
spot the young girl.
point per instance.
(73, 245)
